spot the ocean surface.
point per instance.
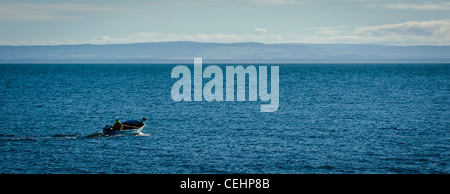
(332, 118)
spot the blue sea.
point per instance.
(332, 118)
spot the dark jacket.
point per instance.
(118, 126)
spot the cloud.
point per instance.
(433, 32)
(407, 6)
(261, 30)
(214, 37)
(49, 12)
(415, 32)
(415, 28)
(258, 35)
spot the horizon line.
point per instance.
(250, 42)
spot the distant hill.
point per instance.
(184, 52)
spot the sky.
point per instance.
(389, 22)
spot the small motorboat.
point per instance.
(131, 127)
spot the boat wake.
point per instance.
(101, 134)
(142, 134)
(95, 135)
(7, 138)
(64, 136)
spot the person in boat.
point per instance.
(117, 125)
